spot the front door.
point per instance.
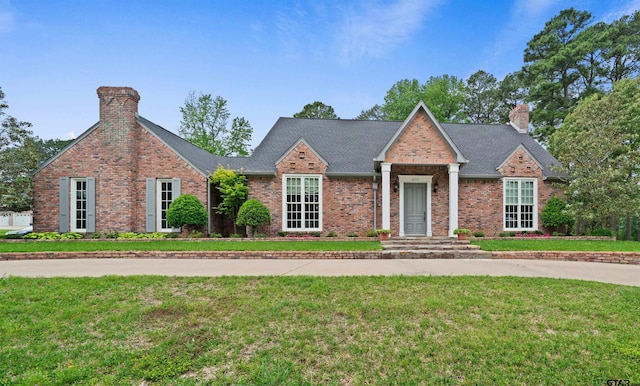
(415, 209)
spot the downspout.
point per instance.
(374, 185)
(208, 207)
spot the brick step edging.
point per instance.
(599, 257)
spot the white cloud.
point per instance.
(376, 29)
(70, 135)
(623, 8)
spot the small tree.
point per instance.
(187, 211)
(554, 214)
(253, 213)
(233, 191)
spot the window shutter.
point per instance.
(175, 192)
(91, 204)
(63, 220)
(151, 205)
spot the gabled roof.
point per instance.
(349, 147)
(201, 160)
(301, 140)
(422, 107)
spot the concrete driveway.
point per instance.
(602, 272)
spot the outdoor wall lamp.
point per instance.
(435, 187)
(395, 187)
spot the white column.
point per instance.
(386, 196)
(453, 197)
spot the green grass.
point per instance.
(312, 330)
(189, 245)
(517, 244)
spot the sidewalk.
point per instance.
(602, 272)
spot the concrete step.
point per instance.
(442, 247)
(435, 254)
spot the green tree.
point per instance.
(444, 96)
(187, 211)
(621, 48)
(599, 147)
(253, 213)
(233, 191)
(402, 98)
(316, 110)
(481, 98)
(19, 156)
(552, 60)
(512, 92)
(373, 114)
(204, 123)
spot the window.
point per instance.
(520, 204)
(165, 196)
(78, 205)
(302, 203)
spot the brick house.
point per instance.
(415, 177)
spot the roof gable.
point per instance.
(296, 146)
(518, 149)
(421, 140)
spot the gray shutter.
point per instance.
(63, 220)
(91, 204)
(175, 192)
(151, 205)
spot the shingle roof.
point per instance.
(349, 146)
(203, 161)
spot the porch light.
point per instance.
(395, 186)
(435, 187)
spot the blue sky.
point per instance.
(266, 58)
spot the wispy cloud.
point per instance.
(622, 8)
(375, 29)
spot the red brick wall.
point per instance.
(420, 143)
(120, 155)
(347, 202)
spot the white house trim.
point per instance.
(415, 179)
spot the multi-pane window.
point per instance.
(520, 204)
(78, 204)
(302, 203)
(165, 196)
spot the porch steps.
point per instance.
(431, 248)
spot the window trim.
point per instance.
(285, 178)
(73, 202)
(519, 214)
(159, 209)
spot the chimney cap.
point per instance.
(110, 91)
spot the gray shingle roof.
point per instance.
(349, 146)
(205, 162)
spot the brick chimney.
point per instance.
(118, 108)
(519, 117)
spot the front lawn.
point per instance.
(541, 244)
(189, 245)
(313, 330)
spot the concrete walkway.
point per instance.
(602, 272)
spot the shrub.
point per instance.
(196, 235)
(352, 234)
(187, 211)
(216, 235)
(601, 232)
(111, 234)
(462, 231)
(332, 234)
(96, 235)
(253, 213)
(478, 234)
(282, 233)
(235, 235)
(554, 214)
(371, 233)
(507, 234)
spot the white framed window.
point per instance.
(164, 191)
(520, 204)
(302, 202)
(78, 204)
